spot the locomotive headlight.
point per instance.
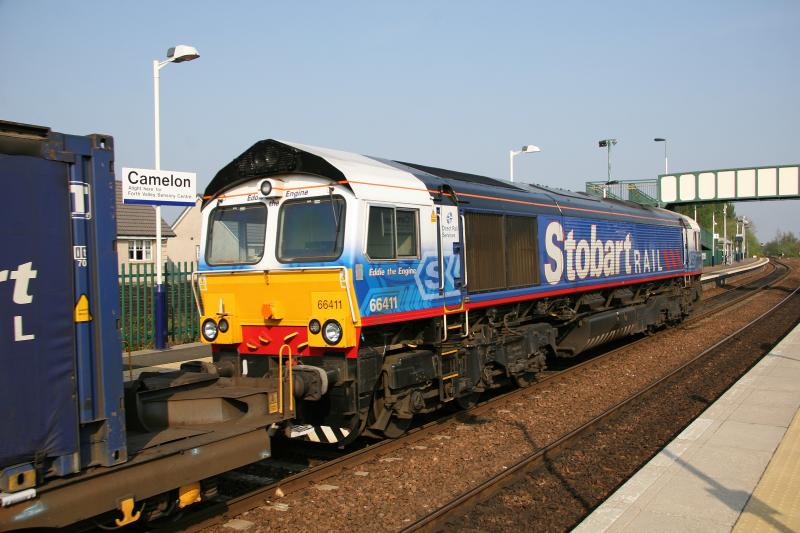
(314, 326)
(223, 325)
(332, 332)
(210, 330)
(266, 187)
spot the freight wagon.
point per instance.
(77, 443)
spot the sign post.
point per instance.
(158, 187)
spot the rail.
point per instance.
(217, 513)
(439, 518)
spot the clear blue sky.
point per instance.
(454, 84)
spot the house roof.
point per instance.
(137, 220)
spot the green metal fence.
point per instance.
(137, 284)
(640, 191)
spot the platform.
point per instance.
(735, 468)
(720, 272)
(140, 361)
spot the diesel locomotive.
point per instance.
(378, 290)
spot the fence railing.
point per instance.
(640, 191)
(137, 284)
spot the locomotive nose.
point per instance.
(308, 310)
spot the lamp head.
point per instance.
(528, 148)
(182, 52)
(660, 140)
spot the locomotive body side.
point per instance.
(440, 284)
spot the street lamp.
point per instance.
(666, 162)
(178, 54)
(713, 237)
(527, 149)
(608, 143)
(726, 245)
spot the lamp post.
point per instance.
(713, 238)
(666, 161)
(527, 149)
(608, 143)
(726, 246)
(178, 54)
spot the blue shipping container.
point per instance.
(61, 384)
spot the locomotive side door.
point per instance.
(451, 282)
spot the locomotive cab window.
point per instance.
(311, 229)
(392, 233)
(236, 234)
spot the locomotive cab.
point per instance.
(281, 292)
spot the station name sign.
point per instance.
(158, 187)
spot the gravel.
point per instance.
(389, 493)
(558, 496)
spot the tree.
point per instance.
(784, 244)
(714, 211)
(753, 243)
(707, 212)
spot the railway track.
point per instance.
(444, 515)
(311, 466)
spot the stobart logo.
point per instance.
(594, 258)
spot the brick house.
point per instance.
(136, 232)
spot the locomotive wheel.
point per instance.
(356, 425)
(395, 426)
(524, 379)
(468, 401)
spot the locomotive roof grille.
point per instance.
(266, 158)
(269, 158)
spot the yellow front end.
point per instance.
(267, 310)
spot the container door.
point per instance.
(40, 415)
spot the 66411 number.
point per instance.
(386, 303)
(329, 304)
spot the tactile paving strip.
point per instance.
(775, 504)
